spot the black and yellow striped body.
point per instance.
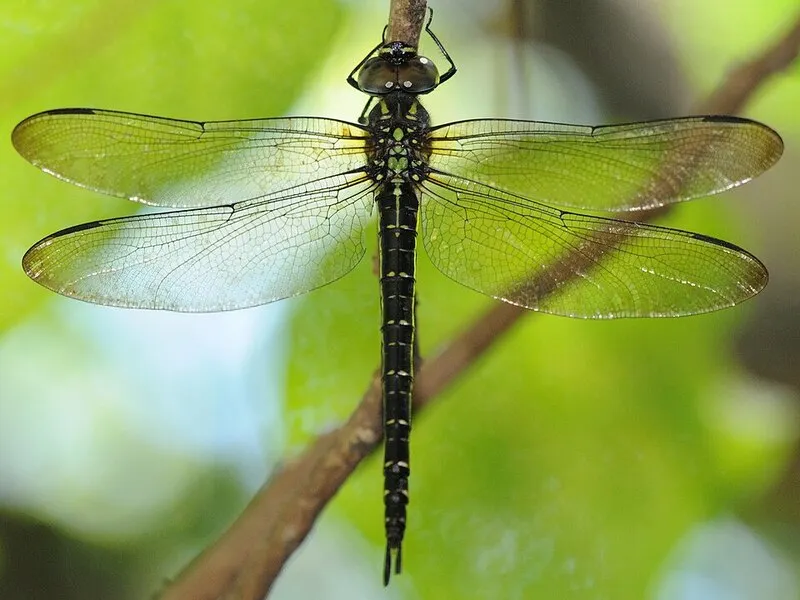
(399, 124)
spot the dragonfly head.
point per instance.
(398, 67)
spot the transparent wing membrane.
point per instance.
(609, 168)
(544, 259)
(215, 258)
(181, 164)
(279, 205)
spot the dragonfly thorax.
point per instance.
(396, 151)
(398, 67)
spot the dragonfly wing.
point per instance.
(564, 263)
(169, 162)
(213, 258)
(609, 168)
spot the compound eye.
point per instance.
(377, 76)
(419, 75)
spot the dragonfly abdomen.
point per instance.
(398, 206)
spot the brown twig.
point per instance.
(738, 87)
(244, 562)
(406, 18)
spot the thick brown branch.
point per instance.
(244, 562)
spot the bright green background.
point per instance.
(567, 463)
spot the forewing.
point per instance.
(169, 162)
(215, 258)
(565, 263)
(609, 168)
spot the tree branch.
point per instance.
(244, 563)
(406, 18)
(738, 88)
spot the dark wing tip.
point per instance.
(69, 111)
(20, 137)
(47, 113)
(775, 137)
(33, 254)
(725, 119)
(760, 273)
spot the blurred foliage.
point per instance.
(709, 54)
(42, 559)
(567, 462)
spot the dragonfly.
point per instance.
(267, 209)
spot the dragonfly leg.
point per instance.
(452, 70)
